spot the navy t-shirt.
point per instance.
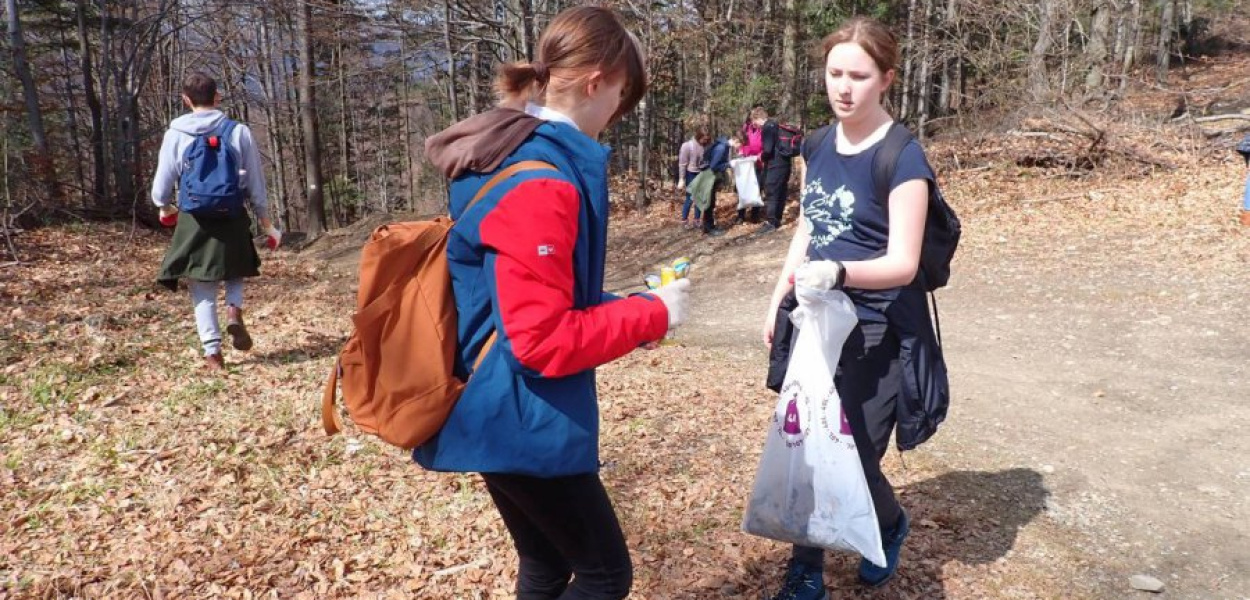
(848, 221)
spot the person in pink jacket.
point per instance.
(753, 137)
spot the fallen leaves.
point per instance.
(125, 471)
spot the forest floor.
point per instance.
(1097, 329)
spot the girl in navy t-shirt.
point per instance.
(849, 238)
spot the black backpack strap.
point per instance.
(811, 143)
(885, 163)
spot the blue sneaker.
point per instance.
(803, 582)
(874, 576)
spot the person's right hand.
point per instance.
(681, 184)
(676, 298)
(169, 215)
(770, 324)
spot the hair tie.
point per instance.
(540, 72)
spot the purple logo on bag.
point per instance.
(791, 425)
(790, 422)
(833, 423)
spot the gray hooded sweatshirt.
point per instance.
(181, 134)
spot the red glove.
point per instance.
(273, 238)
(169, 216)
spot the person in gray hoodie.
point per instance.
(207, 251)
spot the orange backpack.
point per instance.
(396, 368)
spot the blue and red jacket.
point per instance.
(527, 262)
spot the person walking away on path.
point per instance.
(527, 268)
(717, 158)
(753, 145)
(777, 167)
(690, 163)
(213, 243)
(870, 247)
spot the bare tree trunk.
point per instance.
(106, 116)
(379, 156)
(274, 122)
(99, 178)
(451, 60)
(1163, 54)
(1096, 51)
(308, 114)
(1133, 44)
(345, 127)
(475, 78)
(1039, 79)
(71, 117)
(950, 58)
(286, 74)
(406, 139)
(926, 61)
(1066, 54)
(908, 87)
(644, 127)
(789, 56)
(527, 28)
(44, 164)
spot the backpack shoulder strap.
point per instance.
(227, 126)
(810, 143)
(520, 167)
(885, 163)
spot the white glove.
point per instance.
(821, 275)
(676, 298)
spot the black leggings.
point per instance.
(563, 527)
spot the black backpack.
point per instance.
(942, 228)
(789, 140)
(1243, 148)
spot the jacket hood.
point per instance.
(480, 143)
(198, 123)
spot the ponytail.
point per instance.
(579, 41)
(518, 81)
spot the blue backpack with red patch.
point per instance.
(210, 184)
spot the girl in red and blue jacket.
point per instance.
(527, 267)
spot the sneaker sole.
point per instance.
(239, 337)
(878, 585)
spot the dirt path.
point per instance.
(1097, 429)
(1100, 386)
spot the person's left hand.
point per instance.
(273, 238)
(821, 275)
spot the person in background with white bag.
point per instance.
(870, 247)
(745, 168)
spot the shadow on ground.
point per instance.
(968, 517)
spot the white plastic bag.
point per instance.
(810, 487)
(746, 182)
